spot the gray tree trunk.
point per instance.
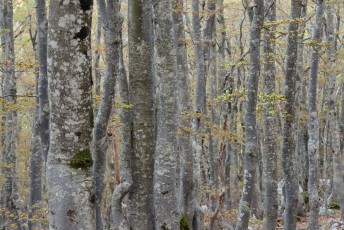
(200, 107)
(40, 133)
(112, 23)
(120, 192)
(42, 33)
(313, 125)
(167, 214)
(70, 187)
(211, 74)
(300, 101)
(141, 97)
(334, 115)
(9, 89)
(270, 142)
(96, 61)
(251, 147)
(288, 146)
(183, 102)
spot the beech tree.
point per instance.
(70, 188)
(141, 94)
(288, 146)
(251, 149)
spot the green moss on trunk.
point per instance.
(81, 160)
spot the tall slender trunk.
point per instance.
(334, 122)
(270, 142)
(251, 145)
(288, 146)
(167, 213)
(183, 102)
(96, 61)
(9, 90)
(313, 125)
(200, 106)
(112, 23)
(70, 188)
(209, 47)
(40, 134)
(141, 97)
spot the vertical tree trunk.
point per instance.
(141, 97)
(70, 188)
(270, 142)
(97, 71)
(313, 125)
(9, 90)
(200, 105)
(288, 146)
(334, 123)
(40, 134)
(42, 32)
(167, 213)
(251, 147)
(183, 102)
(211, 62)
(112, 23)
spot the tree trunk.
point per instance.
(70, 188)
(183, 102)
(112, 23)
(199, 109)
(9, 90)
(270, 142)
(97, 71)
(288, 146)
(141, 97)
(313, 125)
(334, 122)
(40, 133)
(167, 213)
(251, 147)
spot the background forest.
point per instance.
(172, 114)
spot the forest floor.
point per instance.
(331, 221)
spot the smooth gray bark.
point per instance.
(199, 108)
(70, 187)
(112, 24)
(167, 214)
(141, 97)
(42, 37)
(270, 142)
(96, 60)
(40, 132)
(334, 114)
(251, 145)
(288, 145)
(9, 188)
(211, 74)
(184, 122)
(313, 123)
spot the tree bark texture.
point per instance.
(167, 214)
(334, 114)
(9, 89)
(183, 103)
(288, 145)
(112, 23)
(313, 123)
(270, 142)
(70, 187)
(141, 97)
(251, 145)
(200, 106)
